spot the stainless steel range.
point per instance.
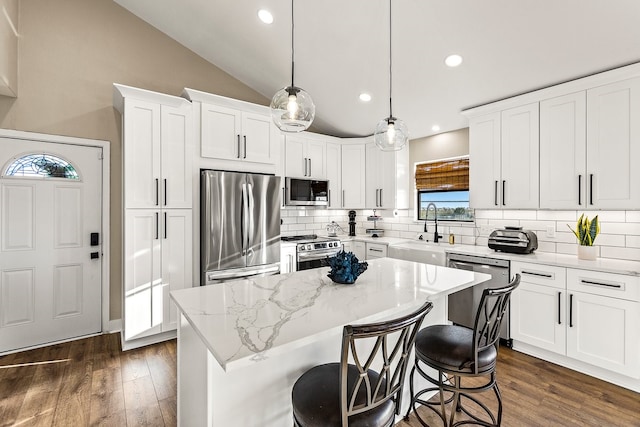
(312, 251)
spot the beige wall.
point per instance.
(70, 54)
(436, 147)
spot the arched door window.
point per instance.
(41, 166)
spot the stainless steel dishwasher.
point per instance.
(464, 304)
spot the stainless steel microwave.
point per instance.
(306, 192)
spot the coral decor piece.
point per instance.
(345, 267)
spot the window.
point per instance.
(41, 166)
(445, 184)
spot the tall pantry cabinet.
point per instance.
(157, 210)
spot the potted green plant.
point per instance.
(586, 232)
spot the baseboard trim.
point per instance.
(115, 325)
(153, 339)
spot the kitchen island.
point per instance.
(242, 344)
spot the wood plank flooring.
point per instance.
(90, 382)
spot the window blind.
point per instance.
(448, 175)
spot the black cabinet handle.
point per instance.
(503, 195)
(244, 154)
(580, 190)
(381, 197)
(495, 193)
(310, 167)
(157, 220)
(591, 189)
(157, 190)
(165, 225)
(165, 191)
(559, 295)
(238, 156)
(571, 310)
(533, 273)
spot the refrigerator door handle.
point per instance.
(250, 203)
(244, 218)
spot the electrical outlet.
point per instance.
(551, 232)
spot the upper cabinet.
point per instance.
(353, 176)
(334, 174)
(234, 130)
(305, 156)
(387, 181)
(589, 144)
(9, 48)
(503, 151)
(613, 146)
(563, 152)
(157, 154)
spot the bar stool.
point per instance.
(457, 352)
(365, 387)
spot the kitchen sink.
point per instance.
(420, 251)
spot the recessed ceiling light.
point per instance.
(435, 128)
(265, 16)
(453, 60)
(365, 97)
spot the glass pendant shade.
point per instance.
(292, 109)
(391, 134)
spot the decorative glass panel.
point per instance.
(41, 165)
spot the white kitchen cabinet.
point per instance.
(305, 157)
(288, 258)
(585, 315)
(157, 140)
(387, 185)
(613, 145)
(359, 250)
(233, 134)
(157, 260)
(375, 250)
(9, 48)
(504, 153)
(563, 152)
(353, 176)
(538, 315)
(334, 174)
(603, 319)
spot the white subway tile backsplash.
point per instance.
(620, 228)
(633, 216)
(484, 214)
(607, 216)
(546, 246)
(557, 215)
(609, 240)
(567, 248)
(631, 254)
(519, 215)
(633, 241)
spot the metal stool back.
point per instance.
(368, 379)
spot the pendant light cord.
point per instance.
(390, 68)
(292, 45)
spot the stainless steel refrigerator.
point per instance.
(240, 225)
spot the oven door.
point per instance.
(315, 259)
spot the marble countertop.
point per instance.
(245, 321)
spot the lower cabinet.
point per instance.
(585, 315)
(375, 250)
(288, 258)
(157, 260)
(358, 249)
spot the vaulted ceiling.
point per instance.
(508, 47)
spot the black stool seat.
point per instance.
(450, 348)
(316, 399)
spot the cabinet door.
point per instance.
(519, 157)
(287, 258)
(359, 250)
(373, 174)
(613, 145)
(375, 250)
(295, 157)
(176, 262)
(221, 128)
(353, 176)
(142, 296)
(176, 182)
(603, 331)
(141, 154)
(256, 141)
(538, 316)
(334, 175)
(484, 165)
(316, 154)
(563, 152)
(388, 179)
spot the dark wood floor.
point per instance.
(90, 382)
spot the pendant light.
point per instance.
(391, 134)
(292, 109)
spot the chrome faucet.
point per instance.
(436, 236)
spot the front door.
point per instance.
(50, 263)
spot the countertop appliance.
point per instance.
(352, 223)
(514, 240)
(306, 192)
(464, 304)
(312, 251)
(240, 225)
